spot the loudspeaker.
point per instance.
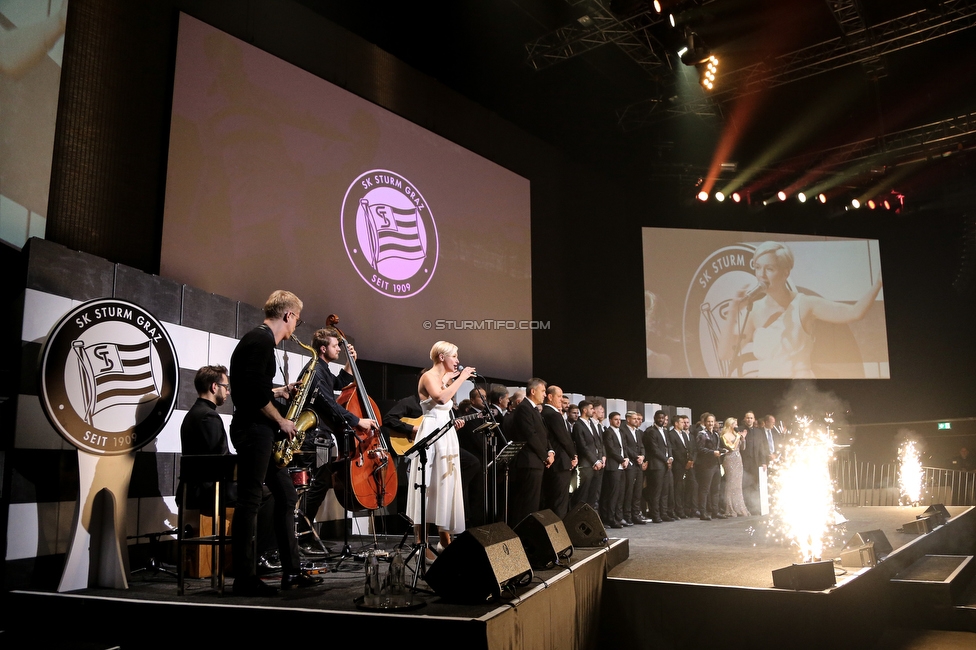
(881, 544)
(585, 528)
(479, 564)
(811, 576)
(859, 556)
(920, 526)
(545, 539)
(938, 514)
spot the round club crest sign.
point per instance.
(389, 233)
(109, 377)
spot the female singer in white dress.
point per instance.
(445, 502)
(780, 323)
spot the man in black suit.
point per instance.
(611, 500)
(589, 448)
(557, 476)
(707, 465)
(528, 467)
(685, 487)
(755, 454)
(634, 477)
(659, 460)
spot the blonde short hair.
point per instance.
(280, 303)
(781, 253)
(442, 347)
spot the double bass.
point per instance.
(369, 468)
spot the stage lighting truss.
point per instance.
(867, 47)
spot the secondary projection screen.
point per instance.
(809, 307)
(278, 179)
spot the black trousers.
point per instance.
(708, 489)
(526, 493)
(555, 490)
(255, 469)
(612, 496)
(685, 491)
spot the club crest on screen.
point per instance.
(109, 377)
(389, 233)
(707, 308)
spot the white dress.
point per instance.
(782, 345)
(445, 501)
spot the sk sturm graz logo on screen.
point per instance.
(109, 377)
(389, 233)
(707, 307)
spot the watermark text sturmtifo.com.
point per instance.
(487, 324)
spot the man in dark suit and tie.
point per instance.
(683, 449)
(659, 460)
(555, 487)
(755, 454)
(528, 467)
(611, 500)
(707, 465)
(589, 448)
(634, 478)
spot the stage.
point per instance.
(684, 584)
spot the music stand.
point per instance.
(421, 447)
(504, 458)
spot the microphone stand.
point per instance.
(421, 448)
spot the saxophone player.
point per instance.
(253, 429)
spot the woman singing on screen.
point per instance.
(779, 320)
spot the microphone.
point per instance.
(473, 374)
(755, 293)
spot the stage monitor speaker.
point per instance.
(585, 528)
(938, 514)
(877, 537)
(481, 563)
(859, 556)
(810, 576)
(545, 539)
(920, 526)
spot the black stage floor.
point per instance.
(739, 551)
(663, 585)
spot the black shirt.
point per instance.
(252, 369)
(202, 431)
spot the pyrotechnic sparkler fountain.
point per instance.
(802, 491)
(909, 473)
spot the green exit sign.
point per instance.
(945, 425)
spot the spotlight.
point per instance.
(822, 197)
(871, 204)
(886, 204)
(672, 20)
(736, 197)
(801, 197)
(657, 6)
(703, 196)
(719, 197)
(781, 195)
(855, 204)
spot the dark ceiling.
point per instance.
(865, 93)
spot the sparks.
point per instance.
(802, 491)
(909, 473)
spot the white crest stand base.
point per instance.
(98, 554)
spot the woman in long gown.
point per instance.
(445, 502)
(735, 503)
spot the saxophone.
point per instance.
(304, 419)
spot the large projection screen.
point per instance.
(278, 179)
(822, 318)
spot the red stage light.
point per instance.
(703, 196)
(872, 204)
(736, 197)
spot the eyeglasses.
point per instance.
(298, 321)
(225, 386)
